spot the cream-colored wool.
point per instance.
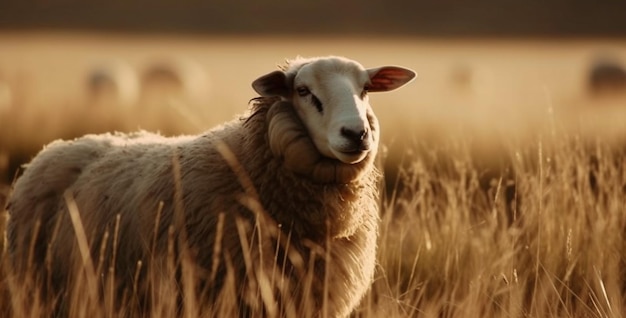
(260, 179)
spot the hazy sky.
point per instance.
(572, 18)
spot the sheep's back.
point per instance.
(145, 179)
(138, 179)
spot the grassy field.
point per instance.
(506, 181)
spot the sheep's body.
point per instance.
(113, 174)
(318, 213)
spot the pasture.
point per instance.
(505, 190)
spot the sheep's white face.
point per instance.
(330, 97)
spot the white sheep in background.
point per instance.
(291, 188)
(607, 77)
(112, 83)
(174, 81)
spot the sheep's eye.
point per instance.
(303, 91)
(317, 103)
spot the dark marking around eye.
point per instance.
(364, 91)
(317, 103)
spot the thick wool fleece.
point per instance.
(259, 179)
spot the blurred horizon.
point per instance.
(447, 19)
(487, 70)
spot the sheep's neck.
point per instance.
(294, 168)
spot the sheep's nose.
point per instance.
(356, 136)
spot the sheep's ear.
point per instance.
(388, 78)
(272, 84)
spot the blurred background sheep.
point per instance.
(172, 82)
(172, 88)
(112, 84)
(607, 77)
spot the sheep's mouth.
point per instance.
(351, 153)
(352, 156)
(356, 149)
(356, 152)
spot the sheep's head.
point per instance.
(329, 95)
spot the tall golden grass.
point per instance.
(449, 246)
(555, 249)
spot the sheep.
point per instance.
(112, 83)
(173, 80)
(290, 188)
(606, 77)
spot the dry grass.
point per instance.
(448, 247)
(497, 212)
(451, 249)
